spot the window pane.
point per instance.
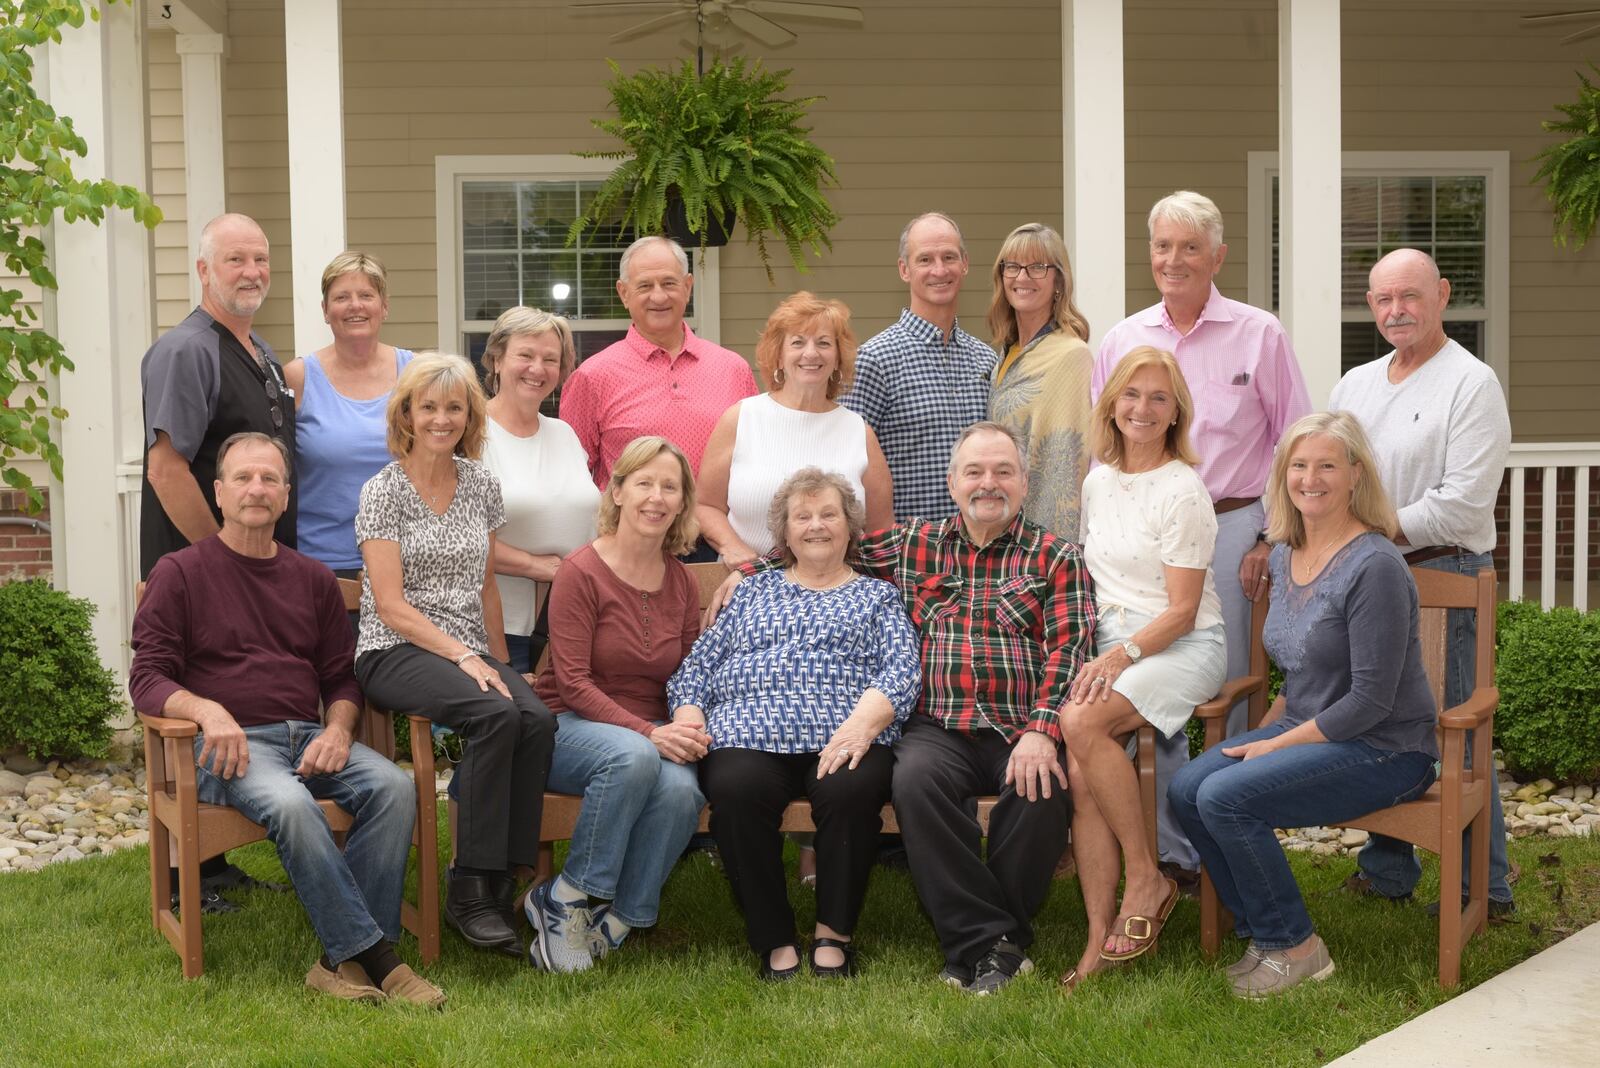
(597, 296)
(1359, 343)
(550, 280)
(1359, 217)
(1357, 262)
(488, 215)
(1461, 209)
(1463, 265)
(592, 341)
(1468, 334)
(548, 209)
(1405, 212)
(489, 284)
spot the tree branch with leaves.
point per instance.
(37, 185)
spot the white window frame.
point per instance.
(1495, 167)
(451, 173)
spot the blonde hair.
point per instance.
(1034, 243)
(804, 483)
(1104, 436)
(353, 263)
(685, 529)
(1369, 502)
(793, 315)
(1189, 209)
(516, 322)
(446, 374)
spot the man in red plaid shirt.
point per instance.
(1006, 614)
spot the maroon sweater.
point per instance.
(265, 639)
(612, 647)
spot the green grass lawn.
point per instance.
(85, 980)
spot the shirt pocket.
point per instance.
(935, 601)
(1019, 605)
(1223, 404)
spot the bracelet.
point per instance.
(463, 658)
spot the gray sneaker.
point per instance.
(1247, 963)
(1276, 972)
(562, 934)
(996, 968)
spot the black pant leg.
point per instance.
(530, 766)
(936, 774)
(748, 791)
(1026, 840)
(847, 808)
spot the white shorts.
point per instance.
(1164, 687)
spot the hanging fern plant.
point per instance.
(1571, 170)
(721, 143)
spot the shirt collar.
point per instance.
(645, 349)
(1215, 311)
(924, 331)
(956, 528)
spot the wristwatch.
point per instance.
(1132, 649)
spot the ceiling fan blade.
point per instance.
(799, 9)
(1563, 16)
(650, 26)
(762, 29)
(621, 7)
(1581, 35)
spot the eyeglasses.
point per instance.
(274, 398)
(1035, 270)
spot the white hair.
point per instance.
(627, 256)
(208, 233)
(1189, 209)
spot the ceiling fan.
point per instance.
(723, 17)
(1589, 15)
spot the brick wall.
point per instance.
(24, 551)
(1533, 524)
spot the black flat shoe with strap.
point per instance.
(846, 970)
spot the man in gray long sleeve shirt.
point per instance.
(1437, 420)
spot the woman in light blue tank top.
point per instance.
(341, 393)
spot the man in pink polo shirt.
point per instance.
(1247, 388)
(661, 378)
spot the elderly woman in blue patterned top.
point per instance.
(803, 683)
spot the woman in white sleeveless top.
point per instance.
(807, 354)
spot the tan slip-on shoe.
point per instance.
(1247, 963)
(348, 982)
(403, 984)
(1277, 972)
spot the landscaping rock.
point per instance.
(1353, 838)
(11, 784)
(1581, 794)
(41, 786)
(23, 764)
(34, 834)
(69, 853)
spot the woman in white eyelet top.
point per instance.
(807, 355)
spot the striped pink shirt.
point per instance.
(633, 388)
(1246, 384)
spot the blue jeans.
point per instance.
(1229, 808)
(1391, 864)
(352, 898)
(639, 810)
(519, 653)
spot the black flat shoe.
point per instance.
(778, 975)
(847, 970)
(472, 906)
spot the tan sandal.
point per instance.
(1143, 931)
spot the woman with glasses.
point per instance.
(1041, 384)
(340, 394)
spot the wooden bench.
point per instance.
(184, 832)
(1457, 801)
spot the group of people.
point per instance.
(934, 598)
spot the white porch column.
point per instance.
(1092, 151)
(103, 315)
(316, 157)
(205, 185)
(1309, 155)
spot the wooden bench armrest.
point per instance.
(169, 728)
(1229, 695)
(1476, 711)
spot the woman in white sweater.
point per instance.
(807, 355)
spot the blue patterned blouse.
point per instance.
(783, 665)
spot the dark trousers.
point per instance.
(748, 791)
(506, 759)
(974, 903)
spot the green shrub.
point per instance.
(1548, 671)
(56, 696)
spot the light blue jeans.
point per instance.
(1229, 808)
(1392, 864)
(639, 810)
(353, 897)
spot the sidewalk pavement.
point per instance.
(1542, 1012)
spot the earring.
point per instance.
(777, 378)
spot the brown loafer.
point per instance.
(348, 982)
(403, 984)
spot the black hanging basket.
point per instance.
(675, 222)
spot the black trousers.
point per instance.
(748, 791)
(506, 759)
(974, 903)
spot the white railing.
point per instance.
(1549, 458)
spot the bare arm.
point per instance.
(711, 491)
(1184, 588)
(878, 485)
(519, 563)
(493, 618)
(225, 750)
(178, 492)
(294, 374)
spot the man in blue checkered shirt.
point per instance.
(919, 383)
